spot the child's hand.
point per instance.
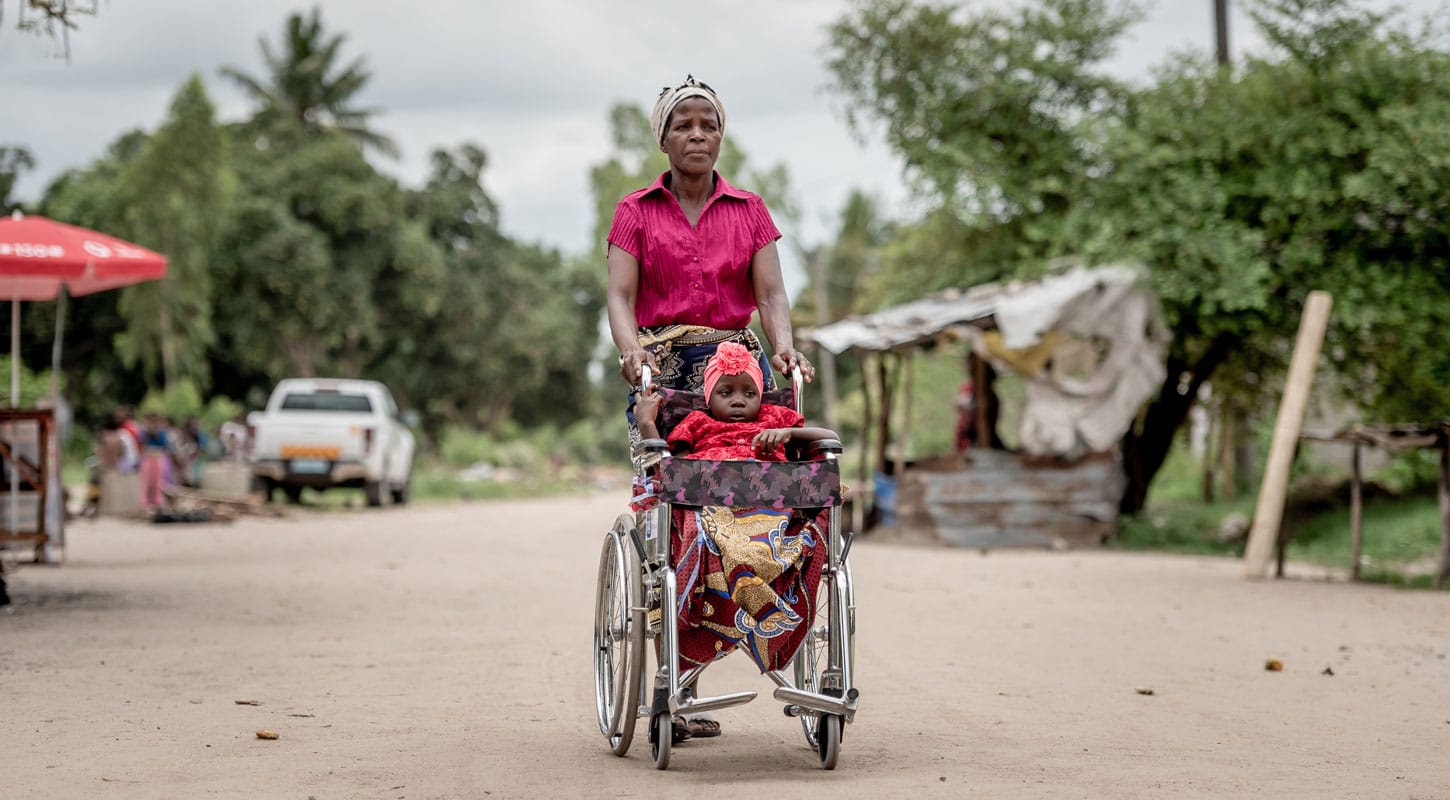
(768, 440)
(647, 404)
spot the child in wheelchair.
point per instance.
(738, 425)
(749, 576)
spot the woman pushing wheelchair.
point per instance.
(690, 259)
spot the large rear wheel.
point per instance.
(812, 660)
(619, 636)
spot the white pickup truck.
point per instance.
(323, 433)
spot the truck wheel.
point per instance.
(375, 493)
(294, 494)
(401, 494)
(265, 487)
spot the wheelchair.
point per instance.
(637, 581)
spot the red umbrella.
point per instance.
(38, 256)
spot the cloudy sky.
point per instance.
(530, 81)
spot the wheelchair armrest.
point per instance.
(823, 446)
(651, 446)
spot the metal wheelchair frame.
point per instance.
(636, 576)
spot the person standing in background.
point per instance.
(126, 421)
(155, 461)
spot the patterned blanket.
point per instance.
(747, 577)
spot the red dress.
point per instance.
(711, 439)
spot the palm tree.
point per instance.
(304, 85)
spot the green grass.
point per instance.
(1401, 539)
(1177, 520)
(1401, 530)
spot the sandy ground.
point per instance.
(444, 651)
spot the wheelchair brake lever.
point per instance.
(848, 537)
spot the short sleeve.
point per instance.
(689, 429)
(774, 416)
(627, 230)
(763, 230)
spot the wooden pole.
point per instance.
(1356, 511)
(1220, 30)
(1210, 459)
(55, 347)
(865, 489)
(1444, 497)
(902, 443)
(979, 397)
(883, 419)
(1225, 453)
(1269, 510)
(826, 358)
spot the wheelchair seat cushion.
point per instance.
(750, 484)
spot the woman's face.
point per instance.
(735, 399)
(692, 137)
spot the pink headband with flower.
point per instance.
(732, 359)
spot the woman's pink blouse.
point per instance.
(699, 275)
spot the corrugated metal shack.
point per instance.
(1089, 344)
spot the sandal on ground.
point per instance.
(702, 727)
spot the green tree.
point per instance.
(97, 197)
(996, 113)
(14, 162)
(312, 229)
(306, 86)
(176, 204)
(515, 318)
(846, 264)
(1318, 167)
(1243, 189)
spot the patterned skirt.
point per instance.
(747, 577)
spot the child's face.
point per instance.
(735, 399)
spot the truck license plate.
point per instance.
(309, 467)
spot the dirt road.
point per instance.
(444, 652)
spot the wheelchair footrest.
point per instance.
(696, 704)
(823, 703)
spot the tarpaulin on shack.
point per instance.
(1089, 342)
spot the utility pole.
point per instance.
(1220, 22)
(823, 318)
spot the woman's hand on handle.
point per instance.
(630, 363)
(791, 357)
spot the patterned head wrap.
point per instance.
(731, 358)
(672, 96)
